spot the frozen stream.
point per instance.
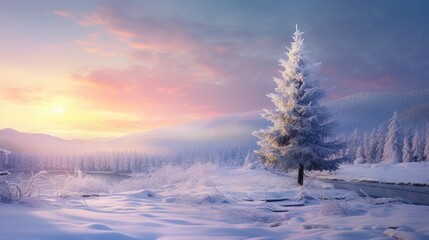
(108, 178)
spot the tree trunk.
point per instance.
(301, 175)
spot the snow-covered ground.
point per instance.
(413, 172)
(208, 202)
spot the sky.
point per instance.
(84, 69)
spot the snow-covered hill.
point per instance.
(16, 141)
(223, 131)
(367, 110)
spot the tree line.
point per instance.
(391, 144)
(128, 161)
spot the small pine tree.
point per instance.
(301, 126)
(380, 145)
(426, 148)
(366, 148)
(391, 152)
(354, 144)
(407, 155)
(416, 148)
(371, 150)
(359, 156)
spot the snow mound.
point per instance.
(145, 194)
(339, 207)
(214, 198)
(98, 226)
(403, 233)
(261, 215)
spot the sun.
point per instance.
(59, 110)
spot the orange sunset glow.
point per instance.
(88, 83)
(107, 68)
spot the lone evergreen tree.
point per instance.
(392, 148)
(298, 138)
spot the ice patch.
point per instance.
(314, 226)
(169, 199)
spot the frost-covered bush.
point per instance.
(190, 177)
(5, 191)
(332, 201)
(19, 189)
(251, 162)
(80, 184)
(333, 207)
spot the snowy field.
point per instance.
(413, 172)
(208, 202)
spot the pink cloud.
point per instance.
(63, 13)
(179, 69)
(349, 84)
(23, 94)
(84, 19)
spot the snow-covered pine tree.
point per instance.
(373, 146)
(426, 149)
(299, 136)
(359, 156)
(407, 155)
(416, 148)
(380, 145)
(391, 153)
(354, 144)
(366, 148)
(370, 146)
